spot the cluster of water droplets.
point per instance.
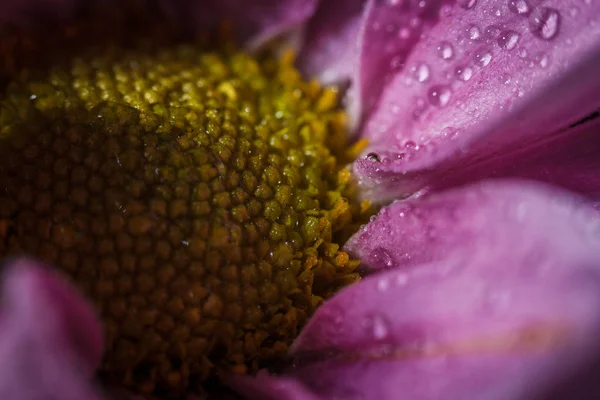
(541, 21)
(544, 23)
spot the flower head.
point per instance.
(476, 286)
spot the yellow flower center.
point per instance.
(197, 196)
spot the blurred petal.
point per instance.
(255, 22)
(264, 387)
(330, 51)
(50, 340)
(503, 317)
(486, 79)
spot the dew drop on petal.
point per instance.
(467, 4)
(473, 32)
(445, 51)
(449, 133)
(483, 58)
(439, 95)
(544, 22)
(508, 40)
(421, 72)
(381, 258)
(404, 33)
(492, 31)
(377, 326)
(383, 284)
(464, 73)
(374, 157)
(520, 7)
(410, 144)
(544, 61)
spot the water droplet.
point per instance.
(492, 32)
(464, 73)
(544, 61)
(445, 50)
(381, 258)
(544, 22)
(409, 144)
(467, 4)
(508, 40)
(484, 58)
(473, 32)
(377, 326)
(421, 72)
(383, 284)
(374, 157)
(520, 7)
(439, 95)
(449, 133)
(404, 33)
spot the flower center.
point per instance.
(197, 197)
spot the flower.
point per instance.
(483, 273)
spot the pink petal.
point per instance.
(329, 51)
(503, 317)
(483, 78)
(264, 387)
(255, 22)
(473, 222)
(50, 340)
(570, 162)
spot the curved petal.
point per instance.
(571, 162)
(488, 77)
(255, 22)
(264, 387)
(50, 340)
(479, 221)
(503, 318)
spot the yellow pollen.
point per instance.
(197, 196)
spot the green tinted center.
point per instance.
(198, 198)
